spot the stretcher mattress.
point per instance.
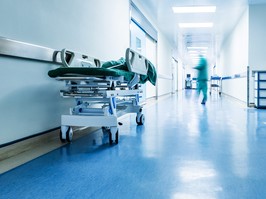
(111, 68)
(95, 72)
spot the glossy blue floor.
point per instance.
(185, 150)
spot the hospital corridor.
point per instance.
(132, 99)
(212, 151)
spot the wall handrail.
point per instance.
(235, 76)
(14, 48)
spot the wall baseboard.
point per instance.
(26, 150)
(235, 99)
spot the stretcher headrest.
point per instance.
(75, 59)
(136, 63)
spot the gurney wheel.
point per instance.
(111, 141)
(140, 120)
(68, 135)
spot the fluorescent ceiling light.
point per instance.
(195, 25)
(197, 48)
(197, 52)
(194, 9)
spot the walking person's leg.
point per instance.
(204, 88)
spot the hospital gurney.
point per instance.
(215, 84)
(103, 92)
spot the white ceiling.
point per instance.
(226, 15)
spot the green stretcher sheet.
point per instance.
(111, 68)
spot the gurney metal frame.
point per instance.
(216, 84)
(101, 100)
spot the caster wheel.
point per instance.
(140, 120)
(111, 141)
(68, 134)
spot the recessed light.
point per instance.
(197, 51)
(197, 48)
(195, 25)
(194, 9)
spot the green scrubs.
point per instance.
(202, 78)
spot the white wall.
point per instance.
(234, 59)
(29, 100)
(164, 67)
(257, 37)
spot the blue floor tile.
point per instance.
(185, 150)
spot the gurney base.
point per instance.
(79, 120)
(108, 124)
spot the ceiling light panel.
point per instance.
(195, 25)
(197, 48)
(197, 51)
(194, 9)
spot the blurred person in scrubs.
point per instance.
(202, 78)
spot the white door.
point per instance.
(138, 43)
(181, 75)
(146, 46)
(151, 55)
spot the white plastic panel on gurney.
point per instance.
(136, 63)
(75, 59)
